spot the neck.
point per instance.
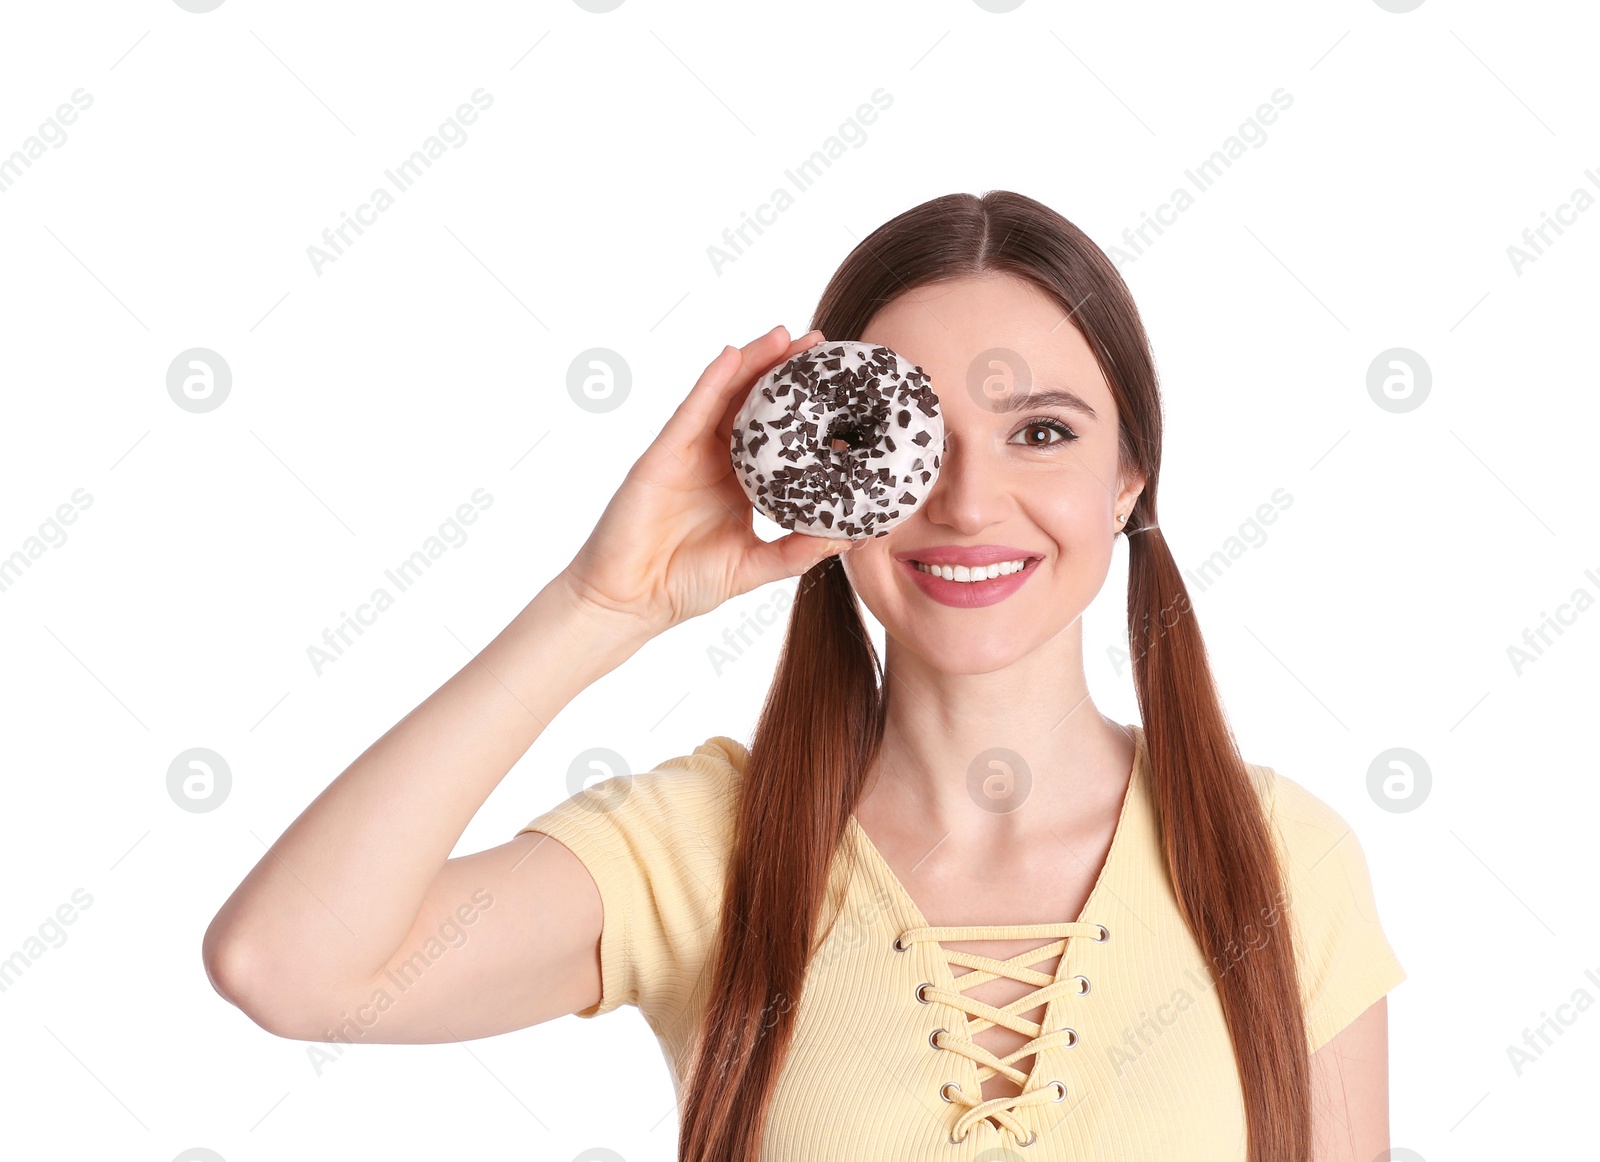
(996, 758)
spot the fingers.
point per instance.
(723, 377)
(792, 555)
(724, 428)
(726, 380)
(758, 363)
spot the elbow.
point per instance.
(241, 978)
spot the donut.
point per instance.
(844, 441)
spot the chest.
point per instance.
(1025, 900)
(1047, 884)
(1150, 1077)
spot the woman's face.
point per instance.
(1024, 475)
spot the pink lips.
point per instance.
(968, 594)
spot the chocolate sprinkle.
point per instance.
(851, 393)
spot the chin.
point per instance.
(967, 654)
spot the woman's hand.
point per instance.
(676, 540)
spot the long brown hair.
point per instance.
(823, 719)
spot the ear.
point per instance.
(1129, 494)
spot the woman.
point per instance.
(941, 909)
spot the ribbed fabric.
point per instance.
(1151, 1073)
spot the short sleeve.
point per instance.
(656, 844)
(1345, 961)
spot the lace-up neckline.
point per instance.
(1046, 989)
(976, 1016)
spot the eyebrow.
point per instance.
(1054, 397)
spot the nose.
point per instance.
(967, 497)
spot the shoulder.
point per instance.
(685, 800)
(1343, 955)
(1306, 828)
(657, 845)
(686, 794)
(1318, 851)
(718, 760)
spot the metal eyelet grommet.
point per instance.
(1085, 984)
(1033, 1136)
(1060, 1088)
(955, 1141)
(898, 947)
(957, 1088)
(927, 984)
(936, 1032)
(1074, 1040)
(1105, 934)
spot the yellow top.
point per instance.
(1131, 1058)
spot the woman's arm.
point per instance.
(358, 903)
(362, 881)
(1350, 1091)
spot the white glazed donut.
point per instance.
(844, 440)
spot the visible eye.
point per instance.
(1045, 422)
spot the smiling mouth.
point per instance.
(975, 573)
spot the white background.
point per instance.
(430, 360)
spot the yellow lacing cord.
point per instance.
(1016, 968)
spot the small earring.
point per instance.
(1121, 516)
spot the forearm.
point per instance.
(332, 899)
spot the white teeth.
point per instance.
(972, 573)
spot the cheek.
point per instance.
(872, 573)
(866, 566)
(1076, 517)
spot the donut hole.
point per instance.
(847, 433)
